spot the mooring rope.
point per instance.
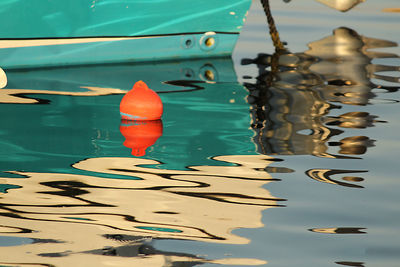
(272, 29)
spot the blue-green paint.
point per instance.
(82, 18)
(131, 50)
(173, 28)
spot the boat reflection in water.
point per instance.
(112, 210)
(295, 93)
(102, 80)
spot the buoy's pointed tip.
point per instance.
(140, 84)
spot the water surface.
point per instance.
(269, 158)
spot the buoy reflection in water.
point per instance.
(139, 135)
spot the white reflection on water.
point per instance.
(3, 78)
(92, 215)
(341, 5)
(16, 96)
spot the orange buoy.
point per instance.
(141, 103)
(139, 135)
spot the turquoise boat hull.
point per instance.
(50, 32)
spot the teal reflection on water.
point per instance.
(53, 128)
(159, 229)
(5, 187)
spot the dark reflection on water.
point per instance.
(351, 263)
(295, 92)
(324, 175)
(339, 230)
